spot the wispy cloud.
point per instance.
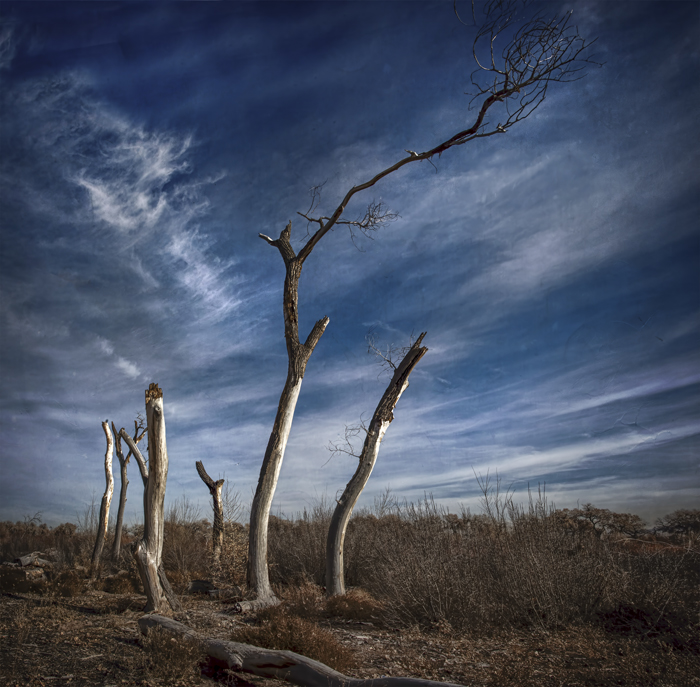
(8, 47)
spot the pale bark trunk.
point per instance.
(140, 460)
(143, 469)
(117, 543)
(282, 665)
(298, 355)
(106, 501)
(148, 551)
(215, 488)
(382, 418)
(123, 462)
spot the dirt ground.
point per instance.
(94, 639)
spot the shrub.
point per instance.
(356, 604)
(279, 629)
(304, 600)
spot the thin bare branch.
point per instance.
(537, 52)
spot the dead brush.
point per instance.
(68, 584)
(303, 600)
(278, 629)
(171, 660)
(356, 604)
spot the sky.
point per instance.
(143, 148)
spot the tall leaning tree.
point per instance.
(518, 56)
(382, 418)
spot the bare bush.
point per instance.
(68, 546)
(306, 559)
(355, 604)
(280, 629)
(512, 565)
(187, 544)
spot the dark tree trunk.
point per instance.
(215, 488)
(382, 418)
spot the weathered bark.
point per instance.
(382, 418)
(215, 488)
(143, 469)
(282, 665)
(106, 502)
(298, 356)
(167, 589)
(123, 462)
(148, 551)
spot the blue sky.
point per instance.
(555, 268)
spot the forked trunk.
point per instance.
(143, 469)
(218, 528)
(106, 502)
(383, 415)
(123, 462)
(298, 356)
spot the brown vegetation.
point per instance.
(518, 595)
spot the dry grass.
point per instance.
(513, 567)
(68, 584)
(278, 628)
(356, 604)
(303, 600)
(567, 602)
(170, 659)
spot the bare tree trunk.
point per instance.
(298, 355)
(148, 551)
(106, 502)
(117, 543)
(143, 469)
(382, 418)
(123, 462)
(270, 663)
(215, 488)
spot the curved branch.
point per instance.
(143, 468)
(538, 53)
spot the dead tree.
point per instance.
(148, 551)
(123, 462)
(382, 418)
(514, 82)
(218, 528)
(106, 502)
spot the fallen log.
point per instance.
(282, 665)
(34, 559)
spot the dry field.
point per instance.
(450, 599)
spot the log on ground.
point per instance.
(282, 665)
